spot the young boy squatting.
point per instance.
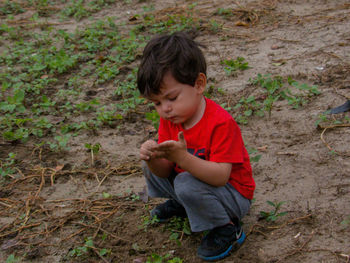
(200, 162)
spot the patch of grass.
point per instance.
(274, 88)
(325, 119)
(82, 251)
(10, 8)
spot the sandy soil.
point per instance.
(306, 166)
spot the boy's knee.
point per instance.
(185, 186)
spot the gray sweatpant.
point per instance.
(206, 206)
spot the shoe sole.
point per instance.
(231, 248)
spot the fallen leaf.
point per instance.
(241, 23)
(59, 167)
(262, 148)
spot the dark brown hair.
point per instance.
(177, 53)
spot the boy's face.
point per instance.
(180, 103)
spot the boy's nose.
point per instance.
(166, 107)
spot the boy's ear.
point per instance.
(201, 82)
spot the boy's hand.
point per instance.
(147, 150)
(172, 150)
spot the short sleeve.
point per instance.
(227, 143)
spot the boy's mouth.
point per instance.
(172, 119)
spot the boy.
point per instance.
(200, 162)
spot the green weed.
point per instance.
(155, 258)
(12, 259)
(153, 116)
(252, 155)
(7, 166)
(83, 251)
(178, 227)
(328, 120)
(11, 8)
(214, 26)
(147, 222)
(273, 215)
(60, 143)
(231, 66)
(274, 89)
(346, 221)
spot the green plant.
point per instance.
(12, 259)
(7, 167)
(226, 12)
(253, 158)
(346, 221)
(273, 214)
(94, 149)
(60, 143)
(153, 116)
(231, 66)
(76, 10)
(106, 195)
(178, 227)
(248, 107)
(147, 221)
(88, 246)
(155, 258)
(11, 7)
(215, 26)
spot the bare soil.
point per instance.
(59, 197)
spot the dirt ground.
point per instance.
(58, 200)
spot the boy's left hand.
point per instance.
(172, 150)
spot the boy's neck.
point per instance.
(197, 116)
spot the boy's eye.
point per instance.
(173, 98)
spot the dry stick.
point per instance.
(74, 234)
(107, 232)
(4, 204)
(275, 227)
(97, 230)
(290, 221)
(297, 250)
(325, 250)
(41, 183)
(98, 254)
(19, 229)
(20, 172)
(331, 127)
(104, 178)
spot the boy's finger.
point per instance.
(164, 145)
(144, 157)
(181, 136)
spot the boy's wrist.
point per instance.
(183, 159)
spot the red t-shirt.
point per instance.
(217, 138)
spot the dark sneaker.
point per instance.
(220, 241)
(167, 210)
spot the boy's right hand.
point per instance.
(147, 150)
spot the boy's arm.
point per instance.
(176, 151)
